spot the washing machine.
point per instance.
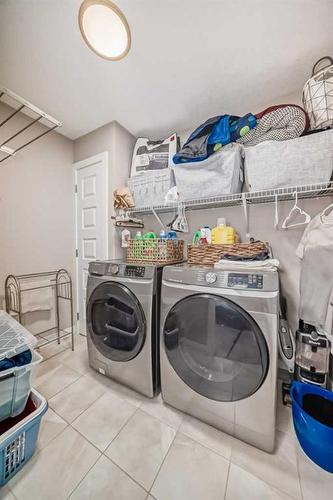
(123, 323)
(219, 348)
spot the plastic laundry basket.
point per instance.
(18, 443)
(15, 387)
(15, 382)
(313, 422)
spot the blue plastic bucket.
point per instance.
(314, 436)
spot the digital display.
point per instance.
(245, 280)
(135, 271)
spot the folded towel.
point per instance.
(40, 299)
(264, 265)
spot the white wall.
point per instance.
(119, 143)
(36, 207)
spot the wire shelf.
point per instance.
(265, 196)
(20, 105)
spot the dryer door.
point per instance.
(215, 347)
(116, 322)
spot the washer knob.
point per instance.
(114, 269)
(211, 277)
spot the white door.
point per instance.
(91, 222)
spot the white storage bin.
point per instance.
(15, 387)
(15, 382)
(150, 189)
(221, 173)
(297, 162)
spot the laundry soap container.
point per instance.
(223, 234)
(313, 421)
(17, 363)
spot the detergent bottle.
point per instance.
(223, 234)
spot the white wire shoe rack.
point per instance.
(228, 200)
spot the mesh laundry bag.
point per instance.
(318, 95)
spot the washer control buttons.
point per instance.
(211, 278)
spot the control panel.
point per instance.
(238, 280)
(135, 271)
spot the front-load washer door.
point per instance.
(215, 347)
(116, 322)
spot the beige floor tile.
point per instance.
(52, 377)
(102, 421)
(51, 426)
(76, 398)
(53, 349)
(141, 446)
(316, 483)
(55, 471)
(76, 360)
(284, 419)
(244, 486)
(109, 385)
(191, 471)
(6, 494)
(278, 469)
(106, 481)
(208, 436)
(157, 408)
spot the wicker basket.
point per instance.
(156, 251)
(208, 255)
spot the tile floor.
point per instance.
(102, 441)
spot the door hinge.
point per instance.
(75, 188)
(76, 253)
(78, 316)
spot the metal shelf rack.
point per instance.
(228, 200)
(18, 104)
(60, 281)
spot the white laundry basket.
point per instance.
(297, 162)
(150, 189)
(221, 173)
(15, 382)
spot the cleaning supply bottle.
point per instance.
(125, 237)
(223, 234)
(205, 231)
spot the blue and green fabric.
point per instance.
(213, 135)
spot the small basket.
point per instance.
(208, 255)
(157, 250)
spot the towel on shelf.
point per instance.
(234, 265)
(40, 299)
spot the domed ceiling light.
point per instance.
(105, 29)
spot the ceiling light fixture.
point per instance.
(105, 29)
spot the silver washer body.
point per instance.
(251, 419)
(140, 373)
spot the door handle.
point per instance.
(171, 338)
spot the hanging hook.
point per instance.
(157, 218)
(276, 215)
(246, 217)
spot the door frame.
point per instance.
(102, 158)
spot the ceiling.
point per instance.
(190, 59)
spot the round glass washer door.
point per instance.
(116, 322)
(216, 347)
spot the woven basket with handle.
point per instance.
(208, 255)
